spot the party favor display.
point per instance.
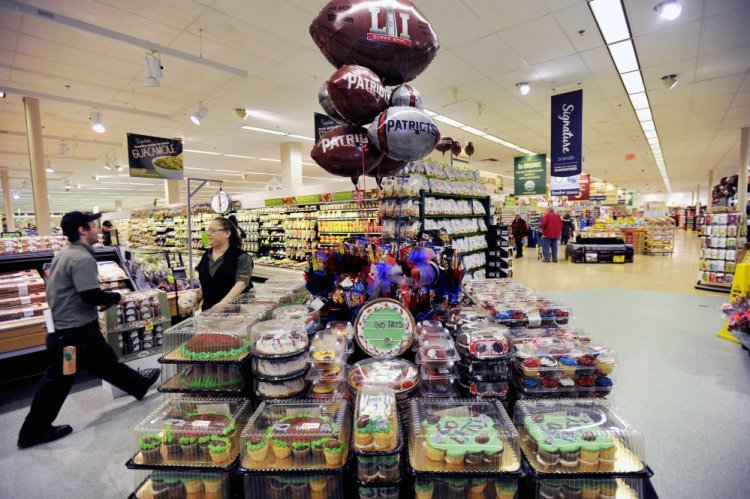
(191, 432)
(578, 436)
(297, 435)
(461, 436)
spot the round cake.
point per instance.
(384, 328)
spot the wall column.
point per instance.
(744, 163)
(172, 191)
(291, 164)
(118, 205)
(10, 224)
(38, 173)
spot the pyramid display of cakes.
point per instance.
(191, 432)
(377, 439)
(297, 435)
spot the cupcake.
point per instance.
(478, 485)
(389, 469)
(299, 487)
(149, 446)
(567, 365)
(549, 489)
(456, 486)
(589, 450)
(549, 383)
(505, 489)
(571, 489)
(586, 381)
(530, 384)
(455, 455)
(586, 365)
(382, 434)
(334, 452)
(531, 367)
(390, 492)
(608, 489)
(316, 449)
(367, 469)
(547, 454)
(229, 431)
(605, 365)
(172, 446)
(281, 449)
(213, 486)
(363, 433)
(603, 385)
(189, 448)
(424, 490)
(548, 367)
(219, 448)
(300, 452)
(566, 382)
(318, 483)
(278, 488)
(433, 453)
(492, 457)
(194, 487)
(203, 443)
(590, 489)
(474, 458)
(257, 449)
(570, 455)
(607, 452)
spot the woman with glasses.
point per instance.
(225, 269)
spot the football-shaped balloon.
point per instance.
(733, 180)
(404, 133)
(325, 103)
(406, 95)
(444, 144)
(724, 181)
(357, 94)
(340, 152)
(469, 148)
(456, 148)
(391, 37)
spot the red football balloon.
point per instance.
(444, 144)
(357, 94)
(391, 37)
(325, 103)
(469, 148)
(456, 148)
(342, 151)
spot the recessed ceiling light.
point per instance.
(199, 115)
(669, 81)
(523, 87)
(669, 9)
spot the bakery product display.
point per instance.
(574, 435)
(208, 339)
(288, 486)
(461, 436)
(185, 428)
(484, 341)
(301, 435)
(384, 328)
(278, 338)
(376, 427)
(282, 389)
(182, 484)
(399, 374)
(285, 367)
(436, 358)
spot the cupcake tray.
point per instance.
(531, 470)
(459, 485)
(291, 484)
(399, 445)
(142, 491)
(561, 391)
(626, 462)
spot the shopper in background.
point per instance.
(107, 233)
(520, 229)
(225, 269)
(240, 231)
(568, 229)
(73, 294)
(551, 231)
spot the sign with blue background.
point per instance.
(567, 123)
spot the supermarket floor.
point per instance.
(687, 391)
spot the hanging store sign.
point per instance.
(323, 125)
(566, 142)
(584, 184)
(565, 186)
(530, 175)
(155, 157)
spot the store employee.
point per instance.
(225, 269)
(73, 294)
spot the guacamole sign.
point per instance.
(155, 157)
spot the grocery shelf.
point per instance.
(430, 215)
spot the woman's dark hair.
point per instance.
(234, 236)
(233, 219)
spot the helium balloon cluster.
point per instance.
(454, 146)
(727, 187)
(374, 44)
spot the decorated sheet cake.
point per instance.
(208, 339)
(297, 435)
(577, 436)
(461, 436)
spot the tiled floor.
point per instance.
(687, 391)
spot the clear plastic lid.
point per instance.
(279, 389)
(438, 374)
(280, 368)
(485, 388)
(278, 338)
(253, 308)
(294, 312)
(625, 487)
(196, 378)
(331, 376)
(341, 328)
(462, 436)
(523, 333)
(399, 374)
(437, 352)
(564, 386)
(494, 369)
(181, 483)
(280, 296)
(191, 432)
(578, 436)
(484, 341)
(297, 435)
(477, 487)
(530, 316)
(328, 349)
(208, 339)
(306, 485)
(554, 357)
(376, 424)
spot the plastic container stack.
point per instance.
(436, 357)
(377, 440)
(279, 349)
(327, 357)
(485, 351)
(300, 313)
(580, 448)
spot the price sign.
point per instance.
(148, 326)
(618, 258)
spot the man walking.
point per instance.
(520, 229)
(73, 293)
(551, 230)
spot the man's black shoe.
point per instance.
(151, 376)
(54, 433)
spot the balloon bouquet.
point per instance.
(374, 44)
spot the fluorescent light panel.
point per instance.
(639, 101)
(611, 20)
(473, 130)
(448, 121)
(623, 54)
(648, 126)
(644, 114)
(210, 153)
(633, 82)
(263, 130)
(301, 137)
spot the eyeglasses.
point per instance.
(211, 230)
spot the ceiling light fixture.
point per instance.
(669, 81)
(199, 115)
(523, 87)
(611, 20)
(97, 121)
(153, 70)
(669, 9)
(49, 168)
(210, 153)
(301, 137)
(263, 130)
(241, 113)
(2, 95)
(16, 196)
(623, 53)
(448, 121)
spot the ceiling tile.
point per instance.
(567, 70)
(656, 48)
(724, 63)
(490, 55)
(599, 62)
(725, 31)
(460, 26)
(502, 14)
(175, 13)
(538, 40)
(578, 18)
(452, 70)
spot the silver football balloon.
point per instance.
(325, 103)
(406, 95)
(404, 133)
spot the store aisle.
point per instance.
(677, 273)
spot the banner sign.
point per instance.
(155, 157)
(584, 183)
(530, 175)
(323, 125)
(567, 124)
(565, 186)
